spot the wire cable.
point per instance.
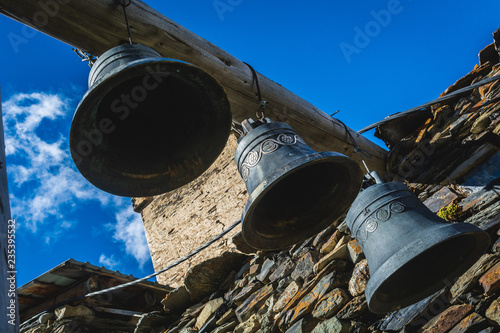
(126, 3)
(359, 151)
(428, 104)
(181, 260)
(262, 103)
(201, 248)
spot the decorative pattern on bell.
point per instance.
(294, 192)
(267, 147)
(147, 125)
(411, 252)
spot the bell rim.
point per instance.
(412, 251)
(259, 242)
(90, 100)
(97, 86)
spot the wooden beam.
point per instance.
(95, 26)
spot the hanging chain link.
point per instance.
(261, 113)
(85, 56)
(235, 127)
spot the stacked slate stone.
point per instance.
(450, 160)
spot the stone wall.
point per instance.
(180, 221)
(449, 158)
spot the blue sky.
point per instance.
(367, 59)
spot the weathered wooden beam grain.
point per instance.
(95, 26)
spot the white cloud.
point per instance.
(130, 230)
(45, 185)
(43, 167)
(108, 262)
(21, 173)
(23, 115)
(61, 229)
(34, 107)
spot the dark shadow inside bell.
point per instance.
(154, 129)
(300, 201)
(427, 273)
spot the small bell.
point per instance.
(294, 192)
(411, 252)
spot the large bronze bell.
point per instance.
(411, 252)
(294, 192)
(147, 124)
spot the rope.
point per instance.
(262, 103)
(428, 104)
